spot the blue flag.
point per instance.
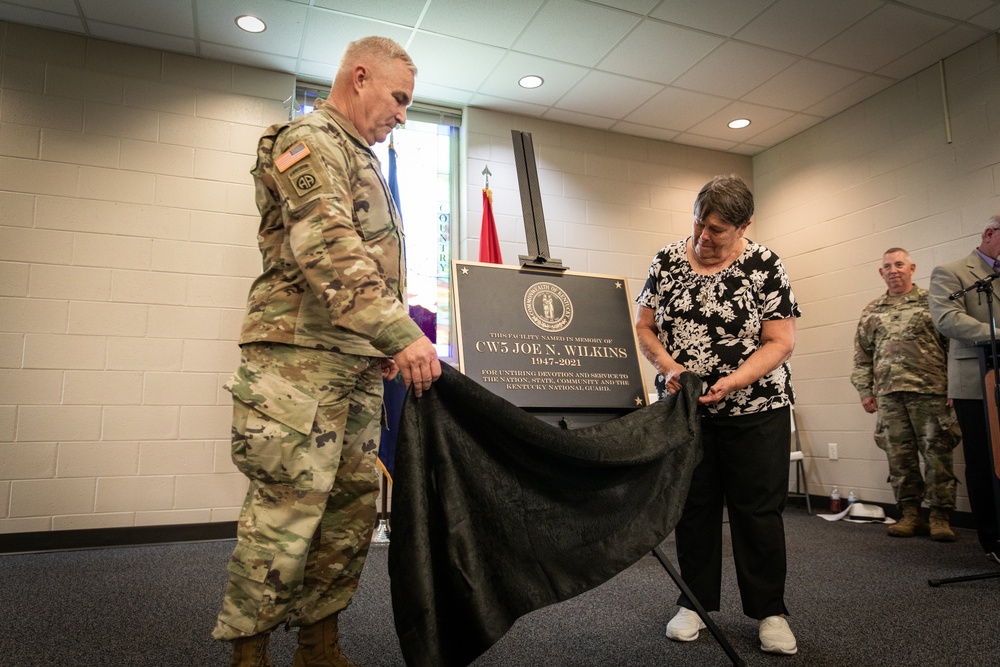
(394, 391)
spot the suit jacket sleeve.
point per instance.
(950, 317)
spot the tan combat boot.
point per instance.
(251, 651)
(940, 528)
(911, 524)
(319, 646)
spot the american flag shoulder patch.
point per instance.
(291, 156)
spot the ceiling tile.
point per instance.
(118, 33)
(590, 95)
(734, 69)
(850, 95)
(747, 149)
(633, 56)
(573, 118)
(799, 26)
(174, 18)
(802, 85)
(575, 32)
(644, 131)
(722, 17)
(401, 12)
(559, 78)
(956, 9)
(285, 25)
(497, 24)
(58, 6)
(937, 49)
(328, 34)
(676, 109)
(510, 106)
(704, 142)
(436, 61)
(786, 129)
(316, 71)
(231, 54)
(881, 37)
(762, 118)
(432, 92)
(988, 19)
(634, 6)
(30, 16)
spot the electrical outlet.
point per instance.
(832, 451)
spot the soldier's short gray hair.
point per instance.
(378, 48)
(728, 197)
(902, 250)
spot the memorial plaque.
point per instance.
(548, 340)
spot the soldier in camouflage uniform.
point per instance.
(325, 322)
(900, 371)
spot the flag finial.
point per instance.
(486, 172)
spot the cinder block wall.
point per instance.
(127, 246)
(832, 199)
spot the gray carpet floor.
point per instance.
(857, 598)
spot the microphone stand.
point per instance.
(983, 286)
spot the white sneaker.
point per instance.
(776, 636)
(684, 626)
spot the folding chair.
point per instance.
(797, 457)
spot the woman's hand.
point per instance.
(725, 385)
(671, 374)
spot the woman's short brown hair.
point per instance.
(728, 197)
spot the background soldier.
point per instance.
(325, 322)
(900, 371)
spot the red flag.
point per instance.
(489, 244)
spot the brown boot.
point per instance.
(251, 651)
(911, 524)
(940, 528)
(319, 646)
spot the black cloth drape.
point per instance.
(496, 513)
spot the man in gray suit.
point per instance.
(965, 320)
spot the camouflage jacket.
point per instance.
(897, 348)
(333, 274)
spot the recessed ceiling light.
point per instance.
(250, 23)
(739, 123)
(530, 81)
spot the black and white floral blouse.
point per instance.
(711, 324)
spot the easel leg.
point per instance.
(709, 623)
(954, 580)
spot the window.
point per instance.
(427, 178)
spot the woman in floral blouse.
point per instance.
(720, 306)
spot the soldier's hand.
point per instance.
(419, 364)
(389, 369)
(870, 404)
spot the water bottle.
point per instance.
(851, 498)
(835, 501)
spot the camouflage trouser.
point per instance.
(305, 431)
(909, 423)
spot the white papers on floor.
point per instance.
(860, 513)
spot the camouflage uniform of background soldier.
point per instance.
(900, 371)
(322, 321)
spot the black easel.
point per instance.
(538, 259)
(983, 286)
